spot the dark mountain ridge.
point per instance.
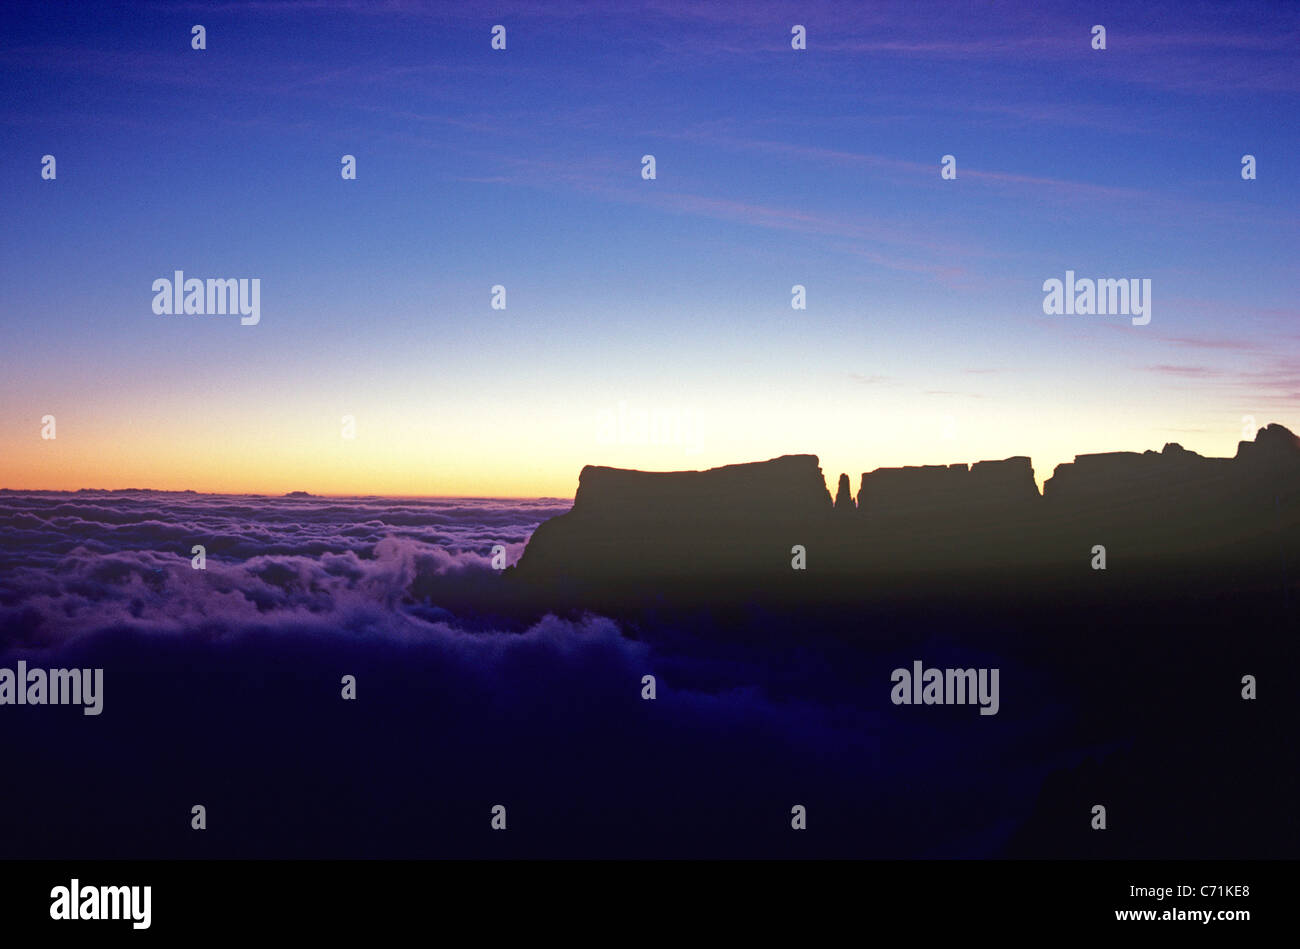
(772, 526)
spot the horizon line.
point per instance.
(283, 495)
(829, 479)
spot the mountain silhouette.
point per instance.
(1152, 516)
(1131, 599)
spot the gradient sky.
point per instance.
(924, 340)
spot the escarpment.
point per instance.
(774, 523)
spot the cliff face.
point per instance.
(932, 488)
(1099, 477)
(1175, 505)
(791, 486)
(737, 520)
(1274, 453)
(1175, 475)
(739, 523)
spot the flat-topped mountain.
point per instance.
(753, 523)
(789, 487)
(724, 522)
(935, 487)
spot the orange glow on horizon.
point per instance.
(394, 461)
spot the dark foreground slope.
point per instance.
(1125, 605)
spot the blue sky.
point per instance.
(924, 339)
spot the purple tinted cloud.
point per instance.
(74, 563)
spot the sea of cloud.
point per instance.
(72, 564)
(222, 685)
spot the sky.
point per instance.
(648, 323)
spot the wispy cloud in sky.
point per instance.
(522, 168)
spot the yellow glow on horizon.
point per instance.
(467, 457)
